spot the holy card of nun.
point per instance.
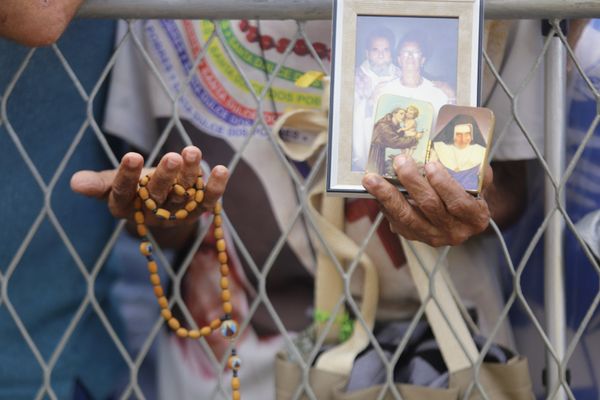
(401, 125)
(461, 143)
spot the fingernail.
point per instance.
(191, 156)
(132, 162)
(370, 181)
(220, 171)
(430, 167)
(171, 163)
(400, 160)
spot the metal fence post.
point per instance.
(554, 290)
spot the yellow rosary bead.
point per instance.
(150, 204)
(219, 233)
(218, 208)
(235, 395)
(215, 324)
(138, 217)
(166, 314)
(174, 324)
(146, 248)
(155, 279)
(224, 283)
(221, 245)
(199, 196)
(222, 256)
(152, 267)
(199, 183)
(141, 230)
(162, 213)
(162, 301)
(194, 334)
(224, 269)
(144, 181)
(227, 308)
(144, 193)
(159, 292)
(225, 295)
(181, 214)
(179, 190)
(191, 206)
(235, 383)
(218, 221)
(191, 192)
(182, 333)
(205, 331)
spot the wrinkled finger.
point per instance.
(164, 177)
(422, 193)
(124, 185)
(401, 215)
(93, 183)
(190, 169)
(215, 186)
(191, 166)
(459, 203)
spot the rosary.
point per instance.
(227, 326)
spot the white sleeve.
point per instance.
(128, 112)
(522, 54)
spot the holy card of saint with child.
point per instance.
(402, 125)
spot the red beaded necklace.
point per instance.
(267, 42)
(227, 326)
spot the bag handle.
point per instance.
(451, 332)
(328, 214)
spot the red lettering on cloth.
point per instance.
(214, 86)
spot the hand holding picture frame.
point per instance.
(428, 51)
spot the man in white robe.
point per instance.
(411, 58)
(376, 69)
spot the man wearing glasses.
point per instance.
(411, 57)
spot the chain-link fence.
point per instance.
(47, 349)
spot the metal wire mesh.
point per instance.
(559, 355)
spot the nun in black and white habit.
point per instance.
(463, 158)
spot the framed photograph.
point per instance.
(390, 55)
(461, 143)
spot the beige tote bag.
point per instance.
(328, 378)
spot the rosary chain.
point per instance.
(194, 197)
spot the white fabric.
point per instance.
(459, 159)
(185, 373)
(522, 52)
(426, 91)
(136, 98)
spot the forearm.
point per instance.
(507, 195)
(36, 22)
